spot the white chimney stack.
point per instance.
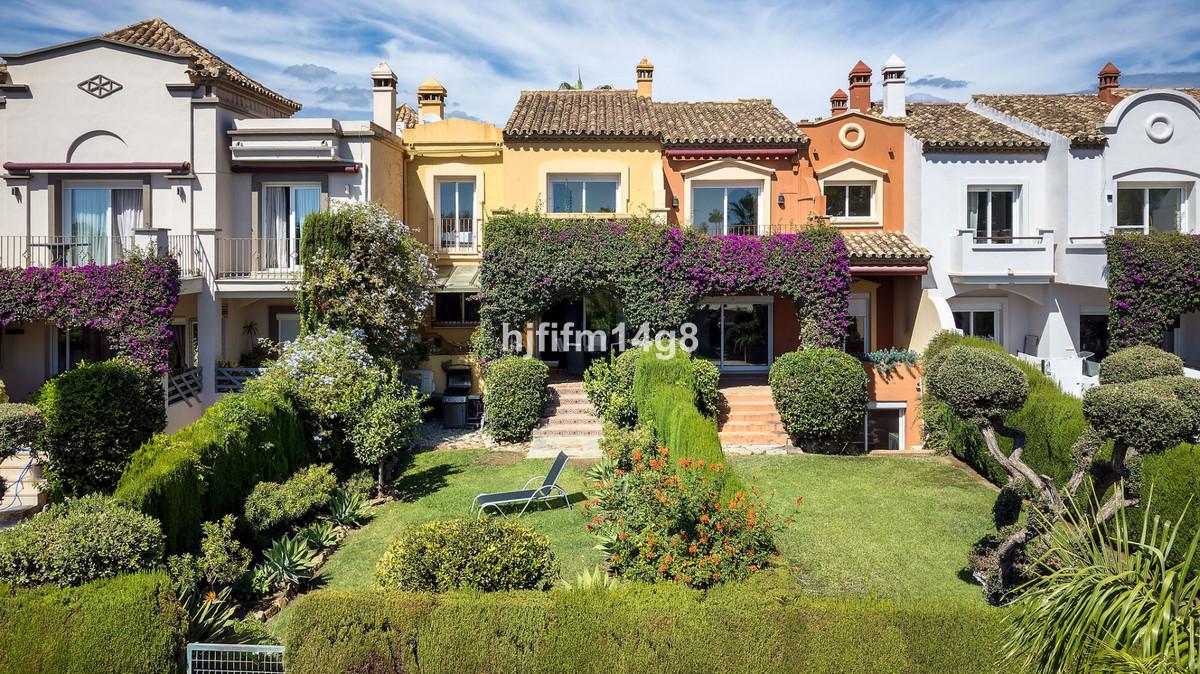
(383, 101)
(893, 87)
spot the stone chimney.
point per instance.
(383, 97)
(645, 78)
(1109, 77)
(860, 87)
(837, 103)
(431, 101)
(893, 87)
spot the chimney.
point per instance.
(431, 101)
(893, 87)
(645, 78)
(1109, 76)
(860, 87)
(383, 101)
(837, 103)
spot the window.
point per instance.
(583, 194)
(983, 323)
(284, 208)
(858, 335)
(76, 345)
(1093, 335)
(850, 201)
(1150, 209)
(726, 209)
(99, 224)
(287, 327)
(992, 214)
(455, 308)
(883, 427)
(456, 215)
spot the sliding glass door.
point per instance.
(99, 225)
(284, 208)
(734, 333)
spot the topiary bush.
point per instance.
(132, 624)
(79, 541)
(821, 394)
(488, 554)
(271, 506)
(609, 386)
(1148, 415)
(516, 393)
(97, 415)
(1139, 362)
(980, 385)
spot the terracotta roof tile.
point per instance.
(406, 116)
(160, 35)
(1076, 116)
(884, 248)
(952, 127)
(743, 122)
(596, 113)
(1129, 91)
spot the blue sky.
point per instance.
(796, 53)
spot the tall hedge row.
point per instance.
(206, 470)
(130, 624)
(636, 628)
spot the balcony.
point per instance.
(1004, 259)
(457, 236)
(259, 259)
(52, 251)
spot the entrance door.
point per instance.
(735, 333)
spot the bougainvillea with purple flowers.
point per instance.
(1152, 280)
(657, 273)
(130, 302)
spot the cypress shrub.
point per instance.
(130, 624)
(516, 392)
(329, 230)
(97, 415)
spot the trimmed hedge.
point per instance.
(636, 628)
(131, 624)
(516, 392)
(1170, 488)
(1139, 362)
(206, 470)
(821, 395)
(271, 506)
(97, 415)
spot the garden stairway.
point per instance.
(569, 422)
(748, 420)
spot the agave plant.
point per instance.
(210, 617)
(592, 579)
(320, 535)
(347, 508)
(1109, 602)
(289, 563)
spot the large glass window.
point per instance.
(456, 308)
(77, 345)
(1150, 209)
(456, 215)
(734, 335)
(726, 209)
(991, 213)
(1093, 335)
(99, 225)
(284, 208)
(982, 323)
(849, 201)
(583, 194)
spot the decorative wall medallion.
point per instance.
(857, 141)
(1159, 127)
(100, 86)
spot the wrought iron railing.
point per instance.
(51, 251)
(185, 248)
(269, 259)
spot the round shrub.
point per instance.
(978, 384)
(20, 425)
(489, 554)
(820, 393)
(97, 415)
(1139, 362)
(271, 506)
(945, 339)
(79, 541)
(609, 387)
(1148, 415)
(516, 392)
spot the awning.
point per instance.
(461, 278)
(76, 167)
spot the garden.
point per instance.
(293, 512)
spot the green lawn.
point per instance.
(890, 527)
(441, 485)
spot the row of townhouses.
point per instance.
(986, 216)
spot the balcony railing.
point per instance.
(185, 248)
(739, 230)
(1017, 258)
(457, 235)
(183, 386)
(259, 259)
(51, 251)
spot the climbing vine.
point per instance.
(131, 302)
(657, 274)
(1152, 281)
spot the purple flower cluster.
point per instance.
(131, 302)
(1152, 281)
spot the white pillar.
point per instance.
(208, 316)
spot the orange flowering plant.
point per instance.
(661, 519)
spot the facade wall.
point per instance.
(528, 165)
(787, 178)
(877, 156)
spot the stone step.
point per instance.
(741, 414)
(746, 391)
(753, 427)
(764, 439)
(570, 419)
(568, 432)
(749, 406)
(555, 410)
